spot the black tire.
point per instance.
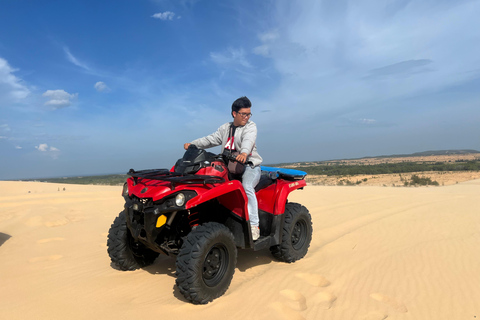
(296, 234)
(124, 252)
(206, 263)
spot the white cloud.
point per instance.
(263, 50)
(12, 89)
(59, 98)
(50, 151)
(167, 15)
(74, 60)
(18, 147)
(268, 36)
(3, 137)
(230, 57)
(5, 127)
(101, 87)
(43, 147)
(367, 121)
(267, 39)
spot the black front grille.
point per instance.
(138, 217)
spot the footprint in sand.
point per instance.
(397, 306)
(315, 280)
(324, 300)
(285, 312)
(294, 299)
(50, 240)
(293, 302)
(46, 258)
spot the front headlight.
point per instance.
(180, 199)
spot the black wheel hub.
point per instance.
(299, 234)
(215, 265)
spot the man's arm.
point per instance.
(248, 139)
(212, 140)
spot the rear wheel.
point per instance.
(206, 263)
(124, 251)
(296, 234)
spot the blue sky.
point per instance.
(92, 87)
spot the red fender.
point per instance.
(231, 195)
(283, 190)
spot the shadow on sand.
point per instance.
(162, 265)
(4, 237)
(166, 265)
(247, 258)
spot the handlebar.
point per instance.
(225, 156)
(231, 157)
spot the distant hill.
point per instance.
(431, 153)
(382, 158)
(440, 161)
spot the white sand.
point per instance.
(377, 253)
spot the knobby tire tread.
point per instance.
(119, 250)
(191, 255)
(285, 251)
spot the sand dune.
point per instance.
(376, 253)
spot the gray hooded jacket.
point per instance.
(244, 140)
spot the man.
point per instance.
(240, 136)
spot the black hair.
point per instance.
(242, 102)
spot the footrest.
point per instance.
(262, 243)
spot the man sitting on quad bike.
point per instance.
(197, 213)
(238, 138)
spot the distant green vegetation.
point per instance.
(110, 180)
(420, 181)
(386, 168)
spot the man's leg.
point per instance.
(250, 179)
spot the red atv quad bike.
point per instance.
(198, 213)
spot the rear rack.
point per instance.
(173, 177)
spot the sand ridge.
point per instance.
(376, 253)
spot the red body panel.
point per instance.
(154, 189)
(266, 198)
(230, 194)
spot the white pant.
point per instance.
(250, 179)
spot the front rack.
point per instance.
(173, 177)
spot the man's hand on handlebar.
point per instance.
(242, 157)
(186, 145)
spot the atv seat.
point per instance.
(284, 173)
(265, 181)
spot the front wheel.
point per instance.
(124, 251)
(296, 234)
(206, 263)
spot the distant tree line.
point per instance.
(386, 168)
(110, 180)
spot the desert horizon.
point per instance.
(376, 253)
